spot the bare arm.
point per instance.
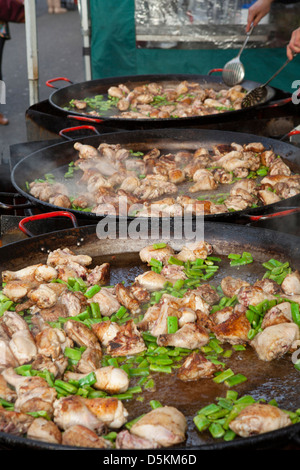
(294, 45)
(257, 11)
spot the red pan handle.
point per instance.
(275, 104)
(214, 70)
(52, 80)
(84, 118)
(46, 215)
(255, 218)
(71, 129)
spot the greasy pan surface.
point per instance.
(55, 159)
(275, 380)
(61, 97)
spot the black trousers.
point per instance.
(2, 42)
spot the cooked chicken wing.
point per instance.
(165, 425)
(274, 341)
(190, 335)
(259, 418)
(280, 313)
(109, 379)
(235, 328)
(44, 430)
(72, 410)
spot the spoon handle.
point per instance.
(245, 42)
(278, 71)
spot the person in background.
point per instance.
(261, 8)
(4, 36)
(54, 6)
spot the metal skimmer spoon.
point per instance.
(257, 95)
(233, 72)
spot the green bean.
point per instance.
(155, 404)
(222, 376)
(92, 291)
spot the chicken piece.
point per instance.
(195, 367)
(204, 181)
(23, 346)
(74, 302)
(208, 294)
(43, 296)
(176, 176)
(72, 410)
(150, 317)
(34, 393)
(194, 300)
(81, 334)
(165, 425)
(280, 313)
(235, 329)
(51, 342)
(221, 315)
(259, 418)
(65, 255)
(268, 197)
(16, 290)
(50, 314)
(126, 440)
(190, 336)
(269, 286)
(109, 379)
(105, 331)
(172, 272)
(6, 392)
(128, 341)
(274, 341)
(250, 295)
(14, 422)
(27, 274)
(139, 293)
(7, 358)
(108, 303)
(81, 436)
(231, 286)
(160, 254)
(168, 306)
(110, 411)
(44, 430)
(151, 281)
(99, 275)
(278, 167)
(195, 250)
(291, 284)
(127, 299)
(186, 315)
(236, 203)
(60, 200)
(256, 147)
(56, 368)
(89, 361)
(13, 323)
(86, 151)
